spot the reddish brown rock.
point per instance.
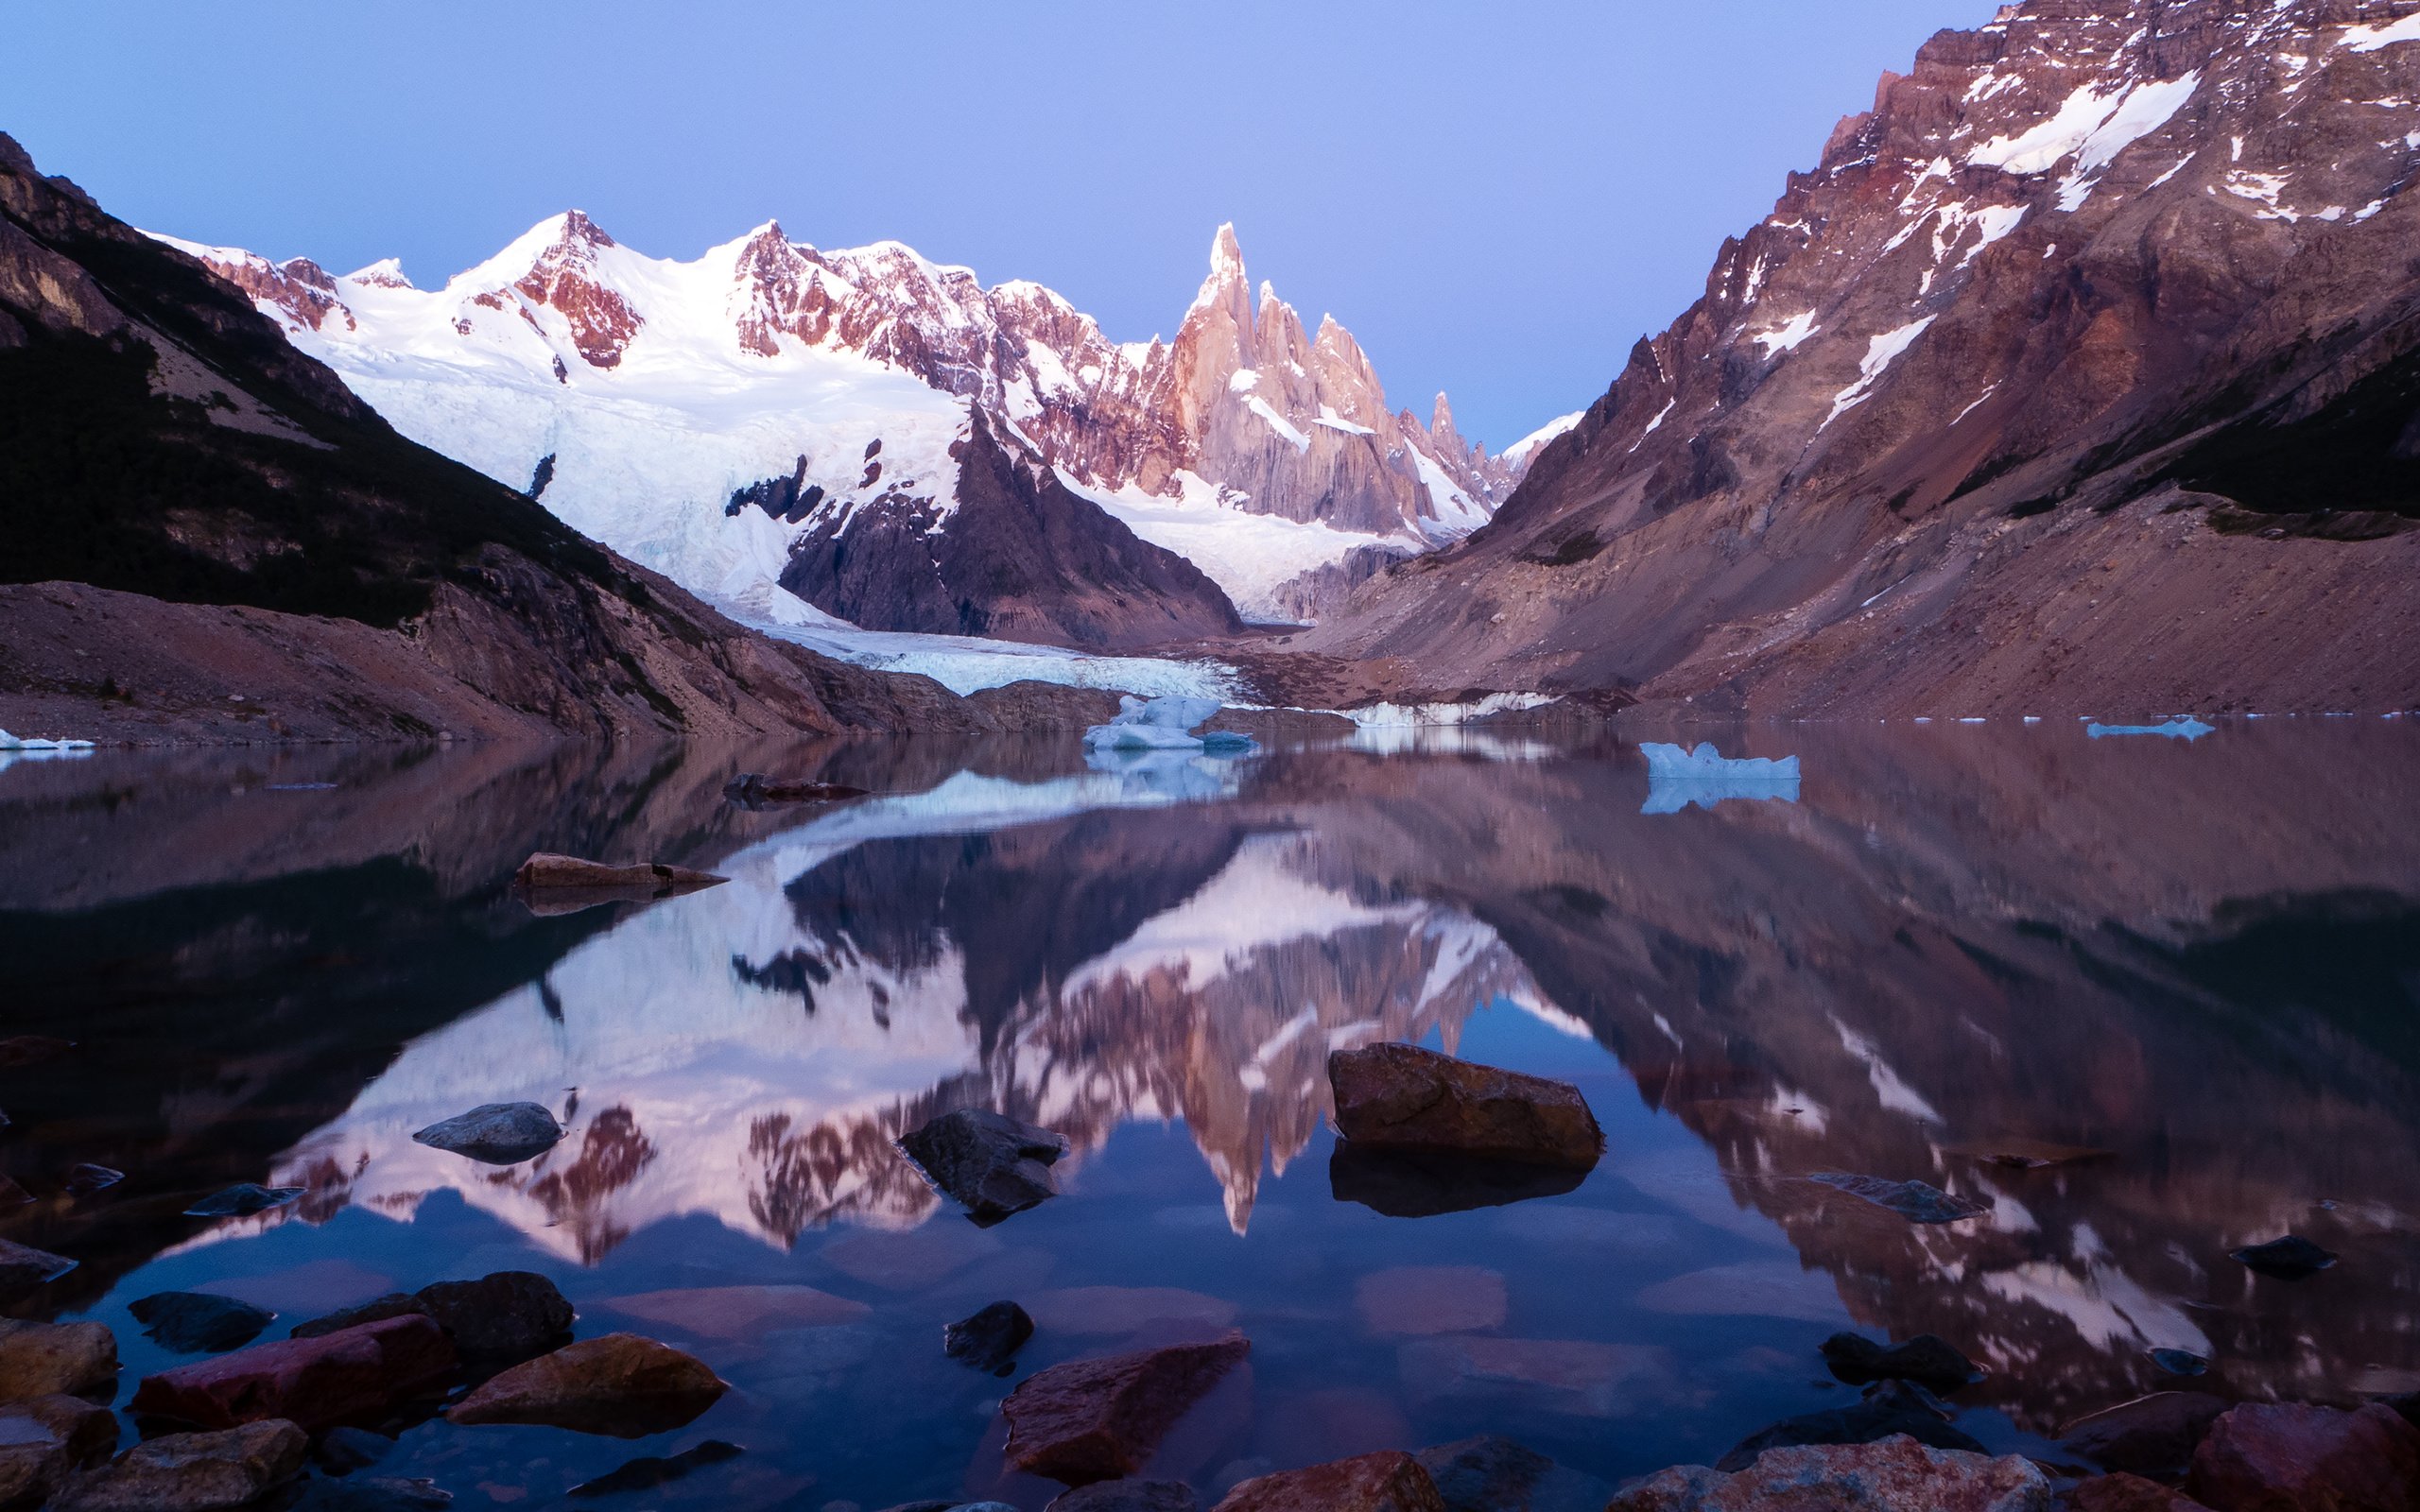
(2129, 1493)
(1403, 1097)
(1097, 1419)
(620, 1384)
(193, 1472)
(2281, 1457)
(1387, 1481)
(1894, 1475)
(546, 869)
(45, 1441)
(48, 1359)
(2152, 1435)
(315, 1381)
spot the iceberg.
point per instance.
(2187, 727)
(10, 742)
(1164, 724)
(1677, 778)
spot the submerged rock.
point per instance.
(1387, 1481)
(198, 1322)
(756, 790)
(993, 1164)
(31, 1050)
(2290, 1259)
(1127, 1496)
(341, 1451)
(24, 1267)
(45, 1441)
(1917, 1201)
(495, 1133)
(618, 1385)
(376, 1493)
(2128, 1493)
(1424, 1183)
(651, 1470)
(2152, 1435)
(2180, 1362)
(2279, 1457)
(1400, 1096)
(1490, 1474)
(990, 1340)
(378, 1309)
(1927, 1360)
(242, 1200)
(1090, 1420)
(508, 1315)
(1897, 1474)
(1888, 1410)
(316, 1382)
(54, 1359)
(193, 1472)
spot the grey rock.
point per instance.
(85, 1179)
(1917, 1201)
(193, 1472)
(495, 1133)
(510, 1313)
(24, 1267)
(54, 1359)
(198, 1322)
(2290, 1259)
(341, 1451)
(376, 1493)
(993, 1164)
(242, 1200)
(990, 1340)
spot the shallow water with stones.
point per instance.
(1946, 948)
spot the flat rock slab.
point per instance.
(1127, 1496)
(2290, 1259)
(242, 1201)
(1574, 1378)
(1387, 1481)
(316, 1382)
(1917, 1201)
(200, 1322)
(620, 1384)
(1127, 1309)
(1418, 1300)
(193, 1472)
(1100, 1419)
(1893, 1409)
(1895, 1475)
(54, 1359)
(2153, 1436)
(1400, 1096)
(495, 1133)
(2281, 1457)
(547, 869)
(24, 1267)
(993, 1164)
(1929, 1360)
(737, 1312)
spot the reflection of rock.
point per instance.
(1423, 1183)
(1890, 1409)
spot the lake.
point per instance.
(2182, 971)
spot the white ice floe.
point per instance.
(2187, 727)
(10, 742)
(1677, 778)
(1162, 723)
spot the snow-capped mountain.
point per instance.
(785, 431)
(2078, 375)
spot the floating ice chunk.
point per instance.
(2033, 719)
(2187, 727)
(1177, 776)
(1164, 724)
(1678, 778)
(10, 742)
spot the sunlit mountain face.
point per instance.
(2182, 972)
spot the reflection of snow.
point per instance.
(2106, 1307)
(1893, 1094)
(2187, 728)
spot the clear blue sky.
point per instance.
(1499, 199)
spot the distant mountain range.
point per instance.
(2081, 373)
(883, 440)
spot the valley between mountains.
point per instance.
(2081, 374)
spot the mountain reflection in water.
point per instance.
(2202, 959)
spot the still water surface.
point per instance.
(2200, 956)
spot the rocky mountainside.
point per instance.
(2081, 375)
(741, 421)
(209, 535)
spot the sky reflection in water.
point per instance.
(2200, 956)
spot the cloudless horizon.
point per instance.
(1497, 202)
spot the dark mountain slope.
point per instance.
(226, 542)
(2078, 377)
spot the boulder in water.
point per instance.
(193, 1472)
(1090, 1420)
(990, 1340)
(2290, 1259)
(1927, 1360)
(198, 1322)
(1400, 1096)
(1892, 1408)
(54, 1359)
(242, 1200)
(1917, 1201)
(618, 1385)
(316, 1382)
(993, 1164)
(495, 1133)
